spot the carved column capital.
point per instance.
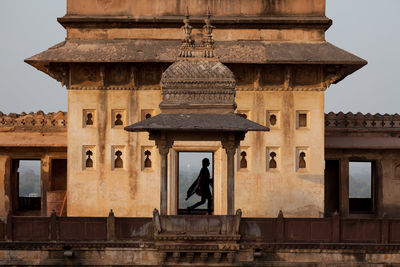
(163, 142)
(231, 141)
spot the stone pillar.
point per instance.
(5, 167)
(230, 144)
(163, 144)
(344, 187)
(45, 177)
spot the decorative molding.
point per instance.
(283, 89)
(195, 237)
(101, 88)
(134, 88)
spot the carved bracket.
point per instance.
(60, 72)
(163, 141)
(231, 141)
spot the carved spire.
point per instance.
(206, 48)
(187, 41)
(208, 40)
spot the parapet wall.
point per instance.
(38, 121)
(356, 121)
(233, 8)
(33, 129)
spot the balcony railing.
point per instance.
(332, 230)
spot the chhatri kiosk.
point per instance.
(198, 104)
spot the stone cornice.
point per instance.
(248, 22)
(283, 89)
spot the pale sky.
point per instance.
(366, 28)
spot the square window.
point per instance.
(302, 120)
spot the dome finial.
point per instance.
(187, 29)
(187, 41)
(208, 40)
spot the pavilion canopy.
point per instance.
(229, 122)
(244, 52)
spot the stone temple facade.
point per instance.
(148, 82)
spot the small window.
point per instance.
(88, 118)
(88, 158)
(147, 161)
(272, 155)
(272, 119)
(118, 163)
(272, 160)
(302, 119)
(243, 160)
(147, 158)
(118, 118)
(361, 187)
(146, 114)
(117, 157)
(302, 159)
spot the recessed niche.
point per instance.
(147, 160)
(88, 118)
(88, 157)
(117, 157)
(243, 160)
(147, 157)
(302, 119)
(118, 118)
(302, 159)
(243, 157)
(273, 158)
(273, 119)
(147, 114)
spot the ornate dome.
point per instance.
(198, 80)
(198, 74)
